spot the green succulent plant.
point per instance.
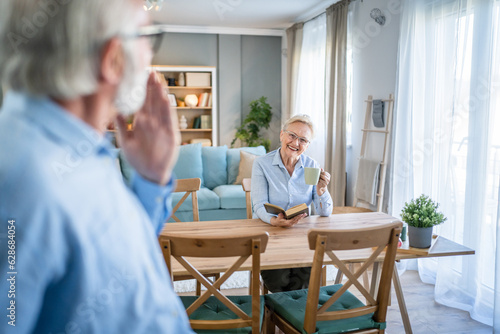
(422, 212)
(259, 117)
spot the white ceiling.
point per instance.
(243, 14)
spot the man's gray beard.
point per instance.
(133, 87)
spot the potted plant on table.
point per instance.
(259, 117)
(421, 215)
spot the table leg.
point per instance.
(401, 302)
(338, 278)
(375, 279)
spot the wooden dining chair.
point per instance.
(247, 187)
(343, 210)
(190, 187)
(213, 310)
(339, 310)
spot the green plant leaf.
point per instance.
(259, 117)
(422, 212)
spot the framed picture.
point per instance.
(172, 99)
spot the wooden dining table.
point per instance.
(289, 248)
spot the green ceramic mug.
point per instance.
(311, 175)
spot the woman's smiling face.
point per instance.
(295, 139)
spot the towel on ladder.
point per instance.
(368, 179)
(378, 113)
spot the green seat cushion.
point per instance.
(207, 200)
(232, 196)
(214, 309)
(214, 165)
(291, 306)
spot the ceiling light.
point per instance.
(378, 16)
(153, 4)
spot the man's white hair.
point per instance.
(53, 47)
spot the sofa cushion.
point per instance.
(246, 164)
(233, 160)
(231, 196)
(214, 165)
(207, 199)
(189, 163)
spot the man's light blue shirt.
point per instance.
(87, 258)
(271, 183)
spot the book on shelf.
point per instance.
(209, 103)
(204, 99)
(206, 121)
(197, 123)
(290, 213)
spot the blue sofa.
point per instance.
(217, 167)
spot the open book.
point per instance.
(290, 213)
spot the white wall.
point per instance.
(374, 73)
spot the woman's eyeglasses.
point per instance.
(293, 137)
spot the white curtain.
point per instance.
(447, 140)
(310, 97)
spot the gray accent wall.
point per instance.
(187, 49)
(261, 76)
(248, 67)
(230, 92)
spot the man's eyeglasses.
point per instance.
(293, 137)
(153, 33)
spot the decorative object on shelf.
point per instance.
(197, 79)
(130, 122)
(153, 4)
(183, 123)
(421, 215)
(203, 141)
(259, 117)
(378, 16)
(180, 102)
(182, 80)
(191, 100)
(172, 100)
(171, 81)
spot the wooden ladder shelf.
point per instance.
(389, 105)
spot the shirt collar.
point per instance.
(57, 122)
(277, 160)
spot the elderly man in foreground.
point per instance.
(78, 248)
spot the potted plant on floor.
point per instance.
(259, 117)
(421, 215)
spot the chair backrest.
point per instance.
(373, 240)
(247, 187)
(190, 187)
(241, 246)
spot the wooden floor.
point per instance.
(426, 316)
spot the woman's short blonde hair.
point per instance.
(301, 118)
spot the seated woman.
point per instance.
(278, 178)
